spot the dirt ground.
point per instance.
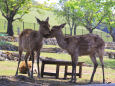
(22, 80)
(26, 81)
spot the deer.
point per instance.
(89, 44)
(30, 41)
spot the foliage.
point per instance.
(89, 13)
(110, 19)
(9, 8)
(4, 43)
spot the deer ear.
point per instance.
(47, 19)
(62, 25)
(38, 20)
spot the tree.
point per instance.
(89, 13)
(68, 14)
(110, 18)
(10, 8)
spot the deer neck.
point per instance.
(60, 39)
(40, 35)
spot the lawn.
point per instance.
(8, 68)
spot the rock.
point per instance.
(50, 41)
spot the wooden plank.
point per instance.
(60, 62)
(57, 71)
(77, 74)
(65, 73)
(49, 74)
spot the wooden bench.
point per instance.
(59, 63)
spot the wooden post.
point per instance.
(82, 31)
(34, 26)
(65, 74)
(23, 25)
(18, 31)
(80, 71)
(65, 30)
(110, 55)
(42, 69)
(114, 55)
(57, 71)
(4, 25)
(101, 34)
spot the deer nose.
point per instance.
(49, 32)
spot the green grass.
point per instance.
(109, 50)
(109, 63)
(8, 68)
(50, 46)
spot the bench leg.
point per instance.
(57, 71)
(80, 71)
(42, 69)
(65, 73)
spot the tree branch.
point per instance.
(19, 17)
(3, 14)
(100, 21)
(15, 11)
(7, 9)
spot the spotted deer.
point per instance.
(30, 41)
(88, 44)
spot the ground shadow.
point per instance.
(47, 81)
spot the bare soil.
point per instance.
(26, 81)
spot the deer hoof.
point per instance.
(72, 81)
(104, 81)
(90, 82)
(16, 75)
(39, 76)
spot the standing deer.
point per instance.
(88, 44)
(30, 41)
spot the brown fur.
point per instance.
(23, 68)
(30, 41)
(88, 44)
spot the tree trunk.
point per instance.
(90, 30)
(113, 36)
(75, 29)
(10, 27)
(71, 31)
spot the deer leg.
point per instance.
(32, 54)
(102, 63)
(38, 56)
(26, 57)
(93, 58)
(74, 63)
(20, 54)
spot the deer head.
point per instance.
(56, 29)
(44, 26)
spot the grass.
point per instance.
(109, 50)
(9, 68)
(109, 63)
(4, 43)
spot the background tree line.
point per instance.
(87, 13)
